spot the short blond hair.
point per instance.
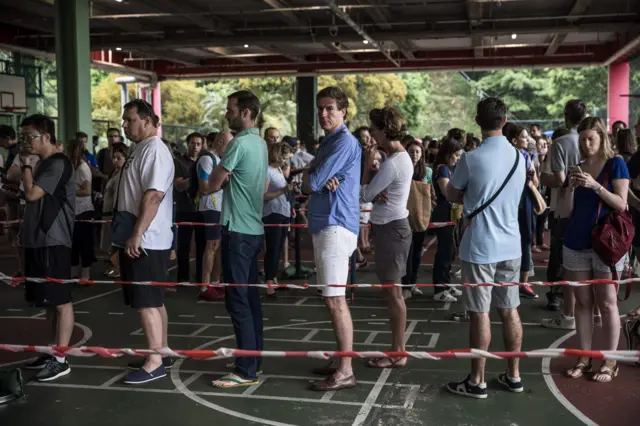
(596, 124)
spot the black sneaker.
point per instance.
(465, 388)
(137, 365)
(53, 370)
(504, 380)
(39, 363)
(553, 302)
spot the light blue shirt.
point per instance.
(339, 156)
(493, 235)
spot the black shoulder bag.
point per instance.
(494, 196)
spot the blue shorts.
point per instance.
(211, 232)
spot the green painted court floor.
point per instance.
(93, 394)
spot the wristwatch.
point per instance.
(599, 190)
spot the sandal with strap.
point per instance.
(380, 363)
(607, 373)
(233, 381)
(581, 367)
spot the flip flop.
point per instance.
(232, 381)
(375, 363)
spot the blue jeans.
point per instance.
(240, 266)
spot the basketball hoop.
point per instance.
(13, 109)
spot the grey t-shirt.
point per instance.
(49, 221)
(565, 152)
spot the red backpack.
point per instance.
(612, 239)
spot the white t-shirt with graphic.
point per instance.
(205, 168)
(83, 175)
(150, 167)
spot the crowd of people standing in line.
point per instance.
(236, 179)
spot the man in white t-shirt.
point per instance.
(209, 208)
(146, 192)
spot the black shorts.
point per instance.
(51, 262)
(211, 232)
(152, 267)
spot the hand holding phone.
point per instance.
(575, 169)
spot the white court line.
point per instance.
(298, 320)
(200, 330)
(328, 395)
(251, 389)
(372, 336)
(310, 335)
(428, 246)
(186, 316)
(113, 380)
(369, 403)
(411, 397)
(548, 379)
(81, 312)
(218, 394)
(432, 340)
(14, 310)
(88, 299)
(443, 307)
(301, 301)
(191, 379)
(115, 313)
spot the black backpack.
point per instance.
(194, 180)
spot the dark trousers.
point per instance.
(540, 221)
(415, 258)
(444, 257)
(240, 266)
(82, 251)
(185, 234)
(274, 239)
(554, 269)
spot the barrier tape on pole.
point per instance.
(271, 225)
(14, 281)
(203, 354)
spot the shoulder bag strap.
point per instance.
(490, 200)
(608, 171)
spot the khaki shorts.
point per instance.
(480, 299)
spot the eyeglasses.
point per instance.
(24, 138)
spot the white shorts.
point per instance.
(587, 261)
(365, 216)
(332, 248)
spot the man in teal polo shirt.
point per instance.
(244, 166)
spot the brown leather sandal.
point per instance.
(582, 367)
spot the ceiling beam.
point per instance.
(172, 55)
(381, 17)
(225, 53)
(406, 48)
(288, 16)
(357, 28)
(192, 14)
(474, 16)
(173, 42)
(578, 8)
(339, 50)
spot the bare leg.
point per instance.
(398, 314)
(512, 330)
(65, 324)
(165, 326)
(569, 301)
(152, 325)
(480, 338)
(208, 260)
(52, 319)
(342, 324)
(584, 315)
(285, 251)
(605, 298)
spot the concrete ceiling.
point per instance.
(204, 38)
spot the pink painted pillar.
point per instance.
(618, 106)
(156, 103)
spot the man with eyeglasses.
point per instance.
(47, 231)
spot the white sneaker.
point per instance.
(560, 322)
(457, 273)
(455, 291)
(406, 293)
(445, 297)
(415, 291)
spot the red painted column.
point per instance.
(156, 103)
(618, 106)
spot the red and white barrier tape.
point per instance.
(202, 354)
(270, 225)
(14, 281)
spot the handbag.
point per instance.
(494, 196)
(539, 204)
(11, 386)
(611, 240)
(419, 206)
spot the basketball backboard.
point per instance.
(13, 93)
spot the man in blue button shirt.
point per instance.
(333, 180)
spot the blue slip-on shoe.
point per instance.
(141, 376)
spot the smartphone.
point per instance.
(575, 169)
